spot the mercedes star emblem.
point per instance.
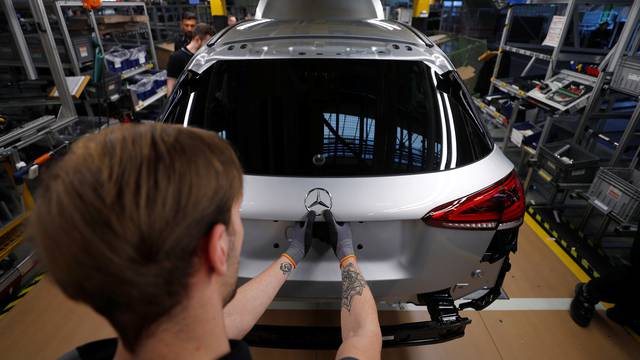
(318, 200)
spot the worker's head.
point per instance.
(232, 20)
(201, 35)
(137, 220)
(188, 23)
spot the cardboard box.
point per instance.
(112, 19)
(163, 52)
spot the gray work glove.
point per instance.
(299, 237)
(340, 238)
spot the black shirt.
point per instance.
(106, 350)
(178, 61)
(181, 40)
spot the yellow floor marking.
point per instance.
(566, 260)
(12, 304)
(23, 293)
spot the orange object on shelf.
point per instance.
(91, 4)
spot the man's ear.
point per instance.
(217, 249)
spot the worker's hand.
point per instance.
(340, 238)
(299, 237)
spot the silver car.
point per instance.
(368, 118)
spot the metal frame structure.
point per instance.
(608, 65)
(160, 28)
(94, 25)
(67, 109)
(18, 37)
(44, 126)
(519, 95)
(629, 39)
(571, 16)
(508, 23)
(76, 66)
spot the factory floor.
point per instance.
(533, 324)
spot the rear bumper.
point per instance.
(445, 325)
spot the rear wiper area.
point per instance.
(341, 139)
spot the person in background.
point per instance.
(187, 25)
(618, 286)
(180, 58)
(232, 20)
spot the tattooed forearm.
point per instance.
(286, 268)
(352, 284)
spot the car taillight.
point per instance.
(500, 206)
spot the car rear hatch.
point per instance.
(380, 142)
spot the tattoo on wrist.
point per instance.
(352, 284)
(286, 268)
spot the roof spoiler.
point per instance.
(319, 10)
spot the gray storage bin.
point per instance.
(573, 165)
(627, 77)
(617, 190)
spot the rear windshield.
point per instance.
(296, 117)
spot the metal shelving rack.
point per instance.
(627, 47)
(513, 90)
(560, 53)
(165, 20)
(535, 55)
(44, 129)
(547, 118)
(128, 7)
(28, 133)
(34, 57)
(18, 37)
(596, 113)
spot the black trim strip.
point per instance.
(447, 122)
